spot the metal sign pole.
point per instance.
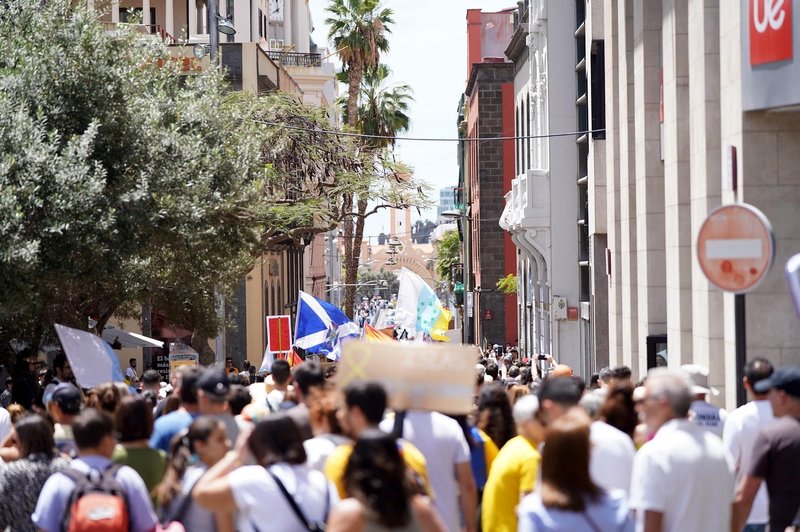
(741, 347)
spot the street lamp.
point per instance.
(216, 24)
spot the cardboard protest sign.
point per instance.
(181, 354)
(418, 376)
(92, 360)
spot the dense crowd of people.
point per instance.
(543, 450)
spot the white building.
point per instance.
(699, 112)
(542, 209)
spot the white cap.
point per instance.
(699, 376)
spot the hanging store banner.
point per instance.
(770, 53)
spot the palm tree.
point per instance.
(384, 111)
(358, 30)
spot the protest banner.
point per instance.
(438, 377)
(279, 334)
(92, 360)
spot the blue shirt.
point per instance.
(56, 493)
(166, 427)
(609, 512)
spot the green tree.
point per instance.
(120, 180)
(448, 255)
(379, 278)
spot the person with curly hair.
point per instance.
(494, 414)
(381, 498)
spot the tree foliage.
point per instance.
(507, 284)
(448, 255)
(119, 179)
(369, 276)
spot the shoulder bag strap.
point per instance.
(399, 422)
(295, 508)
(186, 501)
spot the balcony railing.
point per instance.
(295, 59)
(146, 29)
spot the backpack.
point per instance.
(98, 502)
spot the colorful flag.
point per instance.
(320, 325)
(418, 310)
(371, 334)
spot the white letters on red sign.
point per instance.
(770, 31)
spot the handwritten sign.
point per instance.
(438, 377)
(181, 354)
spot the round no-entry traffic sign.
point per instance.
(735, 247)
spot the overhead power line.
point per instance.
(431, 139)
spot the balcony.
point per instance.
(295, 59)
(145, 29)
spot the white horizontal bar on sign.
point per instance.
(734, 248)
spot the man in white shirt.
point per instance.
(611, 461)
(442, 442)
(741, 428)
(704, 414)
(682, 479)
(130, 372)
(281, 372)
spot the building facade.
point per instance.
(545, 206)
(447, 202)
(488, 168)
(700, 112)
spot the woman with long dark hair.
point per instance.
(381, 498)
(22, 480)
(299, 498)
(569, 499)
(194, 450)
(494, 414)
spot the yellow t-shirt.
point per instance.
(513, 473)
(337, 463)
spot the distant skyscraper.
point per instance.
(447, 202)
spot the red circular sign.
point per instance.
(735, 247)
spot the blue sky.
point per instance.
(428, 50)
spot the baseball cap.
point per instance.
(214, 383)
(699, 377)
(786, 379)
(68, 398)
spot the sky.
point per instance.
(428, 50)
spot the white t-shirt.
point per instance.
(611, 461)
(442, 442)
(275, 398)
(708, 416)
(130, 373)
(319, 448)
(263, 507)
(684, 473)
(5, 423)
(741, 428)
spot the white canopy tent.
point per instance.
(128, 339)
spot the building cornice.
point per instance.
(518, 43)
